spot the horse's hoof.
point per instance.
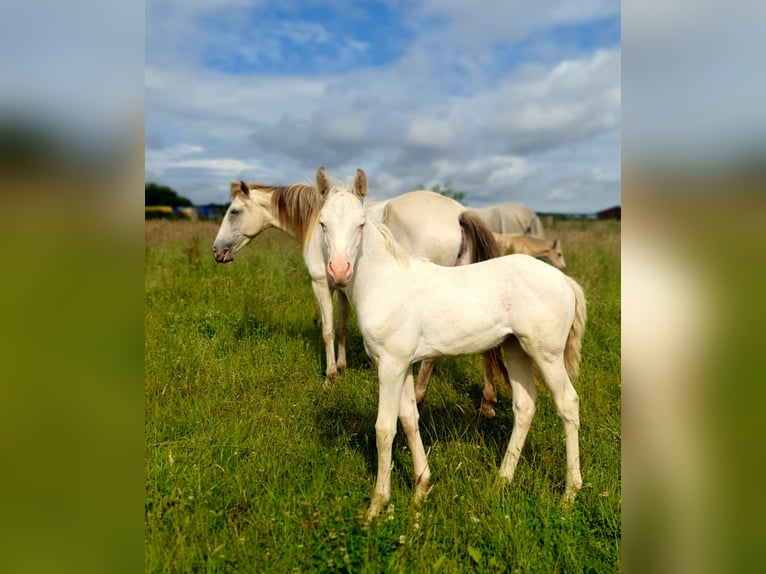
(487, 410)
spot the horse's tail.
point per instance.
(574, 339)
(482, 245)
(479, 239)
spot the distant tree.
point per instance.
(448, 191)
(156, 194)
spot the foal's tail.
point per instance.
(479, 241)
(481, 245)
(574, 339)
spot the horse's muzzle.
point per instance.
(223, 255)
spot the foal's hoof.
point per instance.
(569, 497)
(422, 490)
(487, 410)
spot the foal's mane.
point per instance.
(296, 205)
(392, 245)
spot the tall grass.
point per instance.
(252, 465)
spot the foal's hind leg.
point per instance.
(521, 377)
(567, 403)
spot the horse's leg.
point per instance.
(391, 375)
(324, 298)
(424, 377)
(408, 415)
(342, 329)
(489, 394)
(567, 402)
(521, 377)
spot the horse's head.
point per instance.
(556, 255)
(341, 220)
(245, 218)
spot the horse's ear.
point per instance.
(555, 243)
(360, 183)
(244, 189)
(323, 182)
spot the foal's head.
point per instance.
(556, 255)
(341, 219)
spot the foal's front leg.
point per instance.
(324, 298)
(391, 375)
(409, 417)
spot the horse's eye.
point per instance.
(234, 212)
(323, 226)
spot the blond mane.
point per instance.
(296, 205)
(392, 245)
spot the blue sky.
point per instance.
(504, 100)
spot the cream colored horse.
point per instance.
(528, 245)
(511, 218)
(427, 224)
(410, 309)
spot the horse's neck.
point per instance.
(295, 213)
(286, 224)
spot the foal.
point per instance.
(534, 246)
(409, 309)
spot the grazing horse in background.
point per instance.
(540, 248)
(410, 309)
(511, 218)
(427, 224)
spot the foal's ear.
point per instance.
(244, 189)
(323, 182)
(360, 183)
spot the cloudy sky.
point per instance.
(506, 100)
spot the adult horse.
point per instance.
(534, 246)
(511, 218)
(428, 225)
(410, 309)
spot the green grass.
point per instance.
(253, 466)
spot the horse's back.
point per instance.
(511, 218)
(426, 225)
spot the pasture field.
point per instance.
(252, 465)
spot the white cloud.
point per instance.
(423, 118)
(507, 20)
(160, 161)
(429, 132)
